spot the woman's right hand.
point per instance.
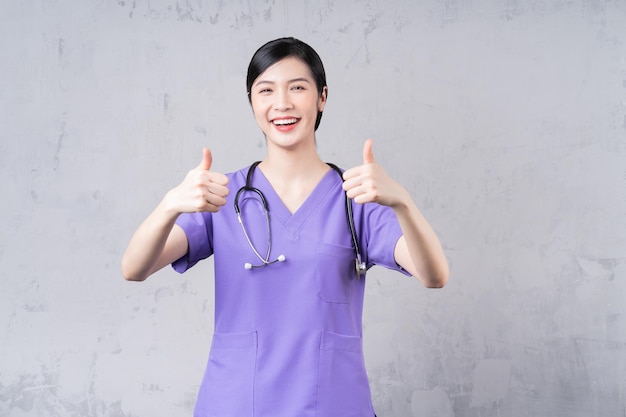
(158, 241)
(201, 190)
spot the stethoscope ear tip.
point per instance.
(247, 265)
(281, 258)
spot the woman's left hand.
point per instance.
(418, 250)
(369, 183)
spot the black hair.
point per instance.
(278, 49)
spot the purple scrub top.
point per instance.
(287, 340)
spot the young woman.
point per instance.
(288, 282)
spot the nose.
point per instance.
(283, 100)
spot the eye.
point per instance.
(265, 91)
(298, 87)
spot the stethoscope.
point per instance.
(265, 260)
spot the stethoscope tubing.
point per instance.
(360, 266)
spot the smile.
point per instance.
(284, 122)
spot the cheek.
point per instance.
(259, 117)
(259, 106)
(255, 110)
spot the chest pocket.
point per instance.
(335, 272)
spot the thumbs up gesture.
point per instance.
(370, 183)
(201, 190)
(207, 160)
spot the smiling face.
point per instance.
(286, 103)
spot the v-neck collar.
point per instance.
(294, 221)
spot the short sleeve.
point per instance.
(381, 234)
(198, 228)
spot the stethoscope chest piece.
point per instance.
(361, 268)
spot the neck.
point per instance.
(293, 165)
(293, 174)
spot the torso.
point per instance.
(288, 336)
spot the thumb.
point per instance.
(368, 155)
(207, 159)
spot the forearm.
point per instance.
(157, 242)
(420, 252)
(147, 244)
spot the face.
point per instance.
(285, 102)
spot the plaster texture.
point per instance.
(505, 120)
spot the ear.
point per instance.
(322, 99)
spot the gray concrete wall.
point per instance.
(505, 120)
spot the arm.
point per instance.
(418, 250)
(158, 241)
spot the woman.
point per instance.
(288, 298)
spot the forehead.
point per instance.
(285, 70)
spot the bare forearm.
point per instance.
(420, 249)
(147, 244)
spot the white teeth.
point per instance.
(284, 122)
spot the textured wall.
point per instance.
(505, 119)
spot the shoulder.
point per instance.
(238, 178)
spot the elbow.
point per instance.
(132, 277)
(438, 279)
(436, 284)
(130, 274)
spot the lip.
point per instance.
(285, 128)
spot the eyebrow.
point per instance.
(294, 80)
